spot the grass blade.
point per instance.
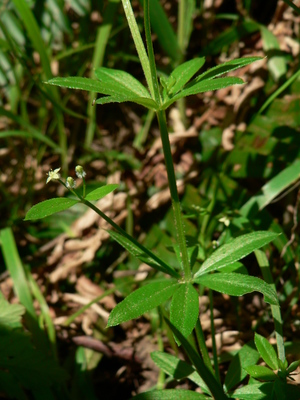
(16, 270)
(164, 31)
(31, 135)
(103, 33)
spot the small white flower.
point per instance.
(53, 175)
(225, 220)
(70, 183)
(80, 172)
(215, 244)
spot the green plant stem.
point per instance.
(185, 266)
(265, 269)
(292, 5)
(162, 376)
(120, 230)
(202, 346)
(83, 187)
(174, 194)
(213, 336)
(206, 373)
(207, 217)
(140, 48)
(150, 51)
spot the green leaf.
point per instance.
(261, 372)
(266, 351)
(207, 376)
(246, 356)
(142, 101)
(293, 366)
(139, 252)
(184, 311)
(101, 192)
(225, 68)
(261, 391)
(49, 207)
(177, 368)
(142, 300)
(184, 72)
(121, 82)
(11, 314)
(170, 394)
(238, 285)
(203, 86)
(77, 82)
(235, 250)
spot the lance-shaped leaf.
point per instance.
(261, 372)
(143, 254)
(225, 68)
(145, 102)
(101, 192)
(142, 300)
(77, 82)
(170, 394)
(266, 351)
(184, 72)
(235, 250)
(49, 207)
(259, 391)
(203, 86)
(184, 311)
(238, 285)
(246, 356)
(118, 85)
(177, 368)
(121, 82)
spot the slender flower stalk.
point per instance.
(80, 173)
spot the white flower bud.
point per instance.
(70, 183)
(80, 172)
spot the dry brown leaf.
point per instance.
(88, 289)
